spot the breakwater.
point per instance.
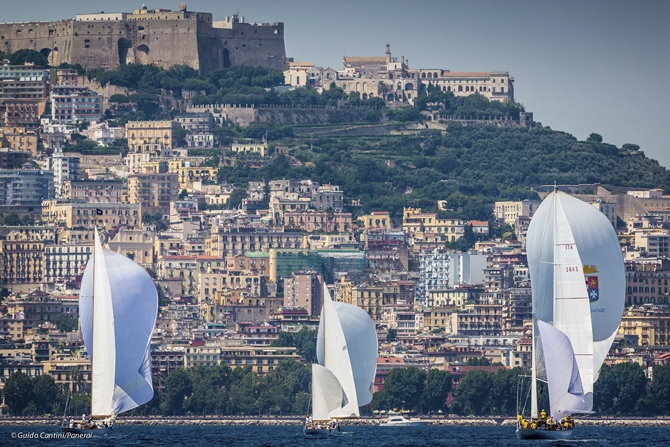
(365, 421)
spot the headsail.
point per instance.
(128, 322)
(566, 393)
(348, 348)
(327, 393)
(103, 352)
(572, 313)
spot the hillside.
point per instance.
(470, 166)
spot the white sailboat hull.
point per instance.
(404, 424)
(530, 433)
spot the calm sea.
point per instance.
(262, 436)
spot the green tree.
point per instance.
(438, 386)
(305, 342)
(595, 138)
(391, 335)
(284, 339)
(504, 390)
(178, 386)
(66, 324)
(660, 389)
(404, 387)
(22, 56)
(45, 393)
(80, 404)
(18, 392)
(12, 219)
(474, 392)
(605, 391)
(632, 385)
(236, 197)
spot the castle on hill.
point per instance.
(150, 36)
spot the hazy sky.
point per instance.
(580, 66)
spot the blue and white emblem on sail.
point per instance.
(592, 288)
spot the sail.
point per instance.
(128, 322)
(103, 354)
(572, 312)
(604, 272)
(327, 393)
(351, 357)
(566, 394)
(602, 261)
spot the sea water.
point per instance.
(363, 436)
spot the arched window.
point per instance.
(423, 75)
(634, 289)
(460, 88)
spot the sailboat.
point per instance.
(118, 305)
(347, 362)
(578, 285)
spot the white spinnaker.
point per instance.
(327, 393)
(103, 354)
(600, 252)
(566, 395)
(134, 306)
(359, 331)
(572, 312)
(334, 355)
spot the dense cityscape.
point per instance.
(207, 174)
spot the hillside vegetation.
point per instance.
(470, 166)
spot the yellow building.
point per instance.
(19, 139)
(150, 136)
(202, 356)
(652, 328)
(250, 148)
(428, 230)
(262, 359)
(373, 298)
(438, 319)
(73, 374)
(188, 174)
(376, 219)
(218, 279)
(108, 215)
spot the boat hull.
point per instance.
(405, 424)
(316, 431)
(530, 433)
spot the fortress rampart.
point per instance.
(160, 37)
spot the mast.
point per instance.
(533, 382)
(90, 354)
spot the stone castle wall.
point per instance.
(193, 39)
